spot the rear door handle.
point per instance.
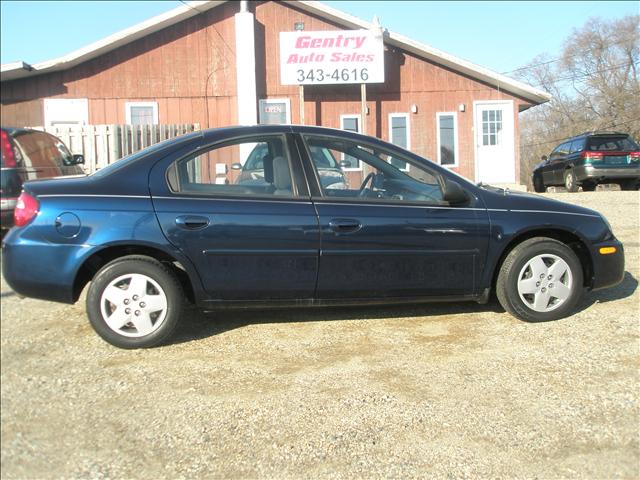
(345, 225)
(192, 222)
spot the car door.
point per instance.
(558, 165)
(393, 236)
(247, 241)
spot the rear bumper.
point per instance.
(589, 172)
(36, 269)
(608, 270)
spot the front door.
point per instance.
(254, 239)
(494, 137)
(391, 234)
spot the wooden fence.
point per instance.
(104, 144)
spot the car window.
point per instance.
(42, 157)
(256, 157)
(604, 144)
(379, 178)
(577, 145)
(207, 172)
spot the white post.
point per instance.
(245, 67)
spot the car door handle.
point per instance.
(345, 225)
(192, 222)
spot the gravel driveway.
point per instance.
(444, 390)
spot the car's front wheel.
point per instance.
(538, 184)
(134, 302)
(539, 280)
(570, 181)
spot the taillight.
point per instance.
(8, 155)
(634, 156)
(26, 209)
(589, 157)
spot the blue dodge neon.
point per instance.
(162, 227)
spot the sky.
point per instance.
(501, 36)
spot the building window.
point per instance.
(491, 127)
(350, 123)
(141, 113)
(447, 123)
(275, 111)
(399, 135)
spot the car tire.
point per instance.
(632, 184)
(524, 287)
(588, 187)
(144, 317)
(570, 181)
(538, 184)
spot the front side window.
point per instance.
(380, 179)
(447, 139)
(205, 173)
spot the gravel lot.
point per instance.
(445, 390)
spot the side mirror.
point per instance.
(78, 160)
(453, 193)
(236, 166)
(345, 164)
(544, 158)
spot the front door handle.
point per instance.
(192, 222)
(344, 225)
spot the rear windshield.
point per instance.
(611, 144)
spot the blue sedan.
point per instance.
(165, 226)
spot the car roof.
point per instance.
(13, 131)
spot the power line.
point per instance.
(588, 74)
(558, 140)
(557, 59)
(212, 26)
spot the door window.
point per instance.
(491, 127)
(266, 171)
(141, 113)
(380, 179)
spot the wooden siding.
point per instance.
(189, 70)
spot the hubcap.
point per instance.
(545, 282)
(133, 305)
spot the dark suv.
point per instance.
(589, 159)
(30, 155)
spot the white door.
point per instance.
(66, 111)
(495, 146)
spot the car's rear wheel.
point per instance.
(539, 280)
(134, 302)
(538, 184)
(570, 181)
(588, 187)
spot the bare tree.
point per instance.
(594, 83)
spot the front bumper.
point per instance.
(608, 270)
(589, 172)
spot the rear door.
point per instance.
(248, 241)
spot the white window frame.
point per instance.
(455, 139)
(408, 120)
(286, 101)
(342, 119)
(128, 105)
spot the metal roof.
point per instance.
(17, 70)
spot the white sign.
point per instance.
(331, 57)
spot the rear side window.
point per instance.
(577, 145)
(611, 144)
(41, 153)
(210, 172)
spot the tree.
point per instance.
(594, 83)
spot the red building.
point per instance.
(217, 63)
